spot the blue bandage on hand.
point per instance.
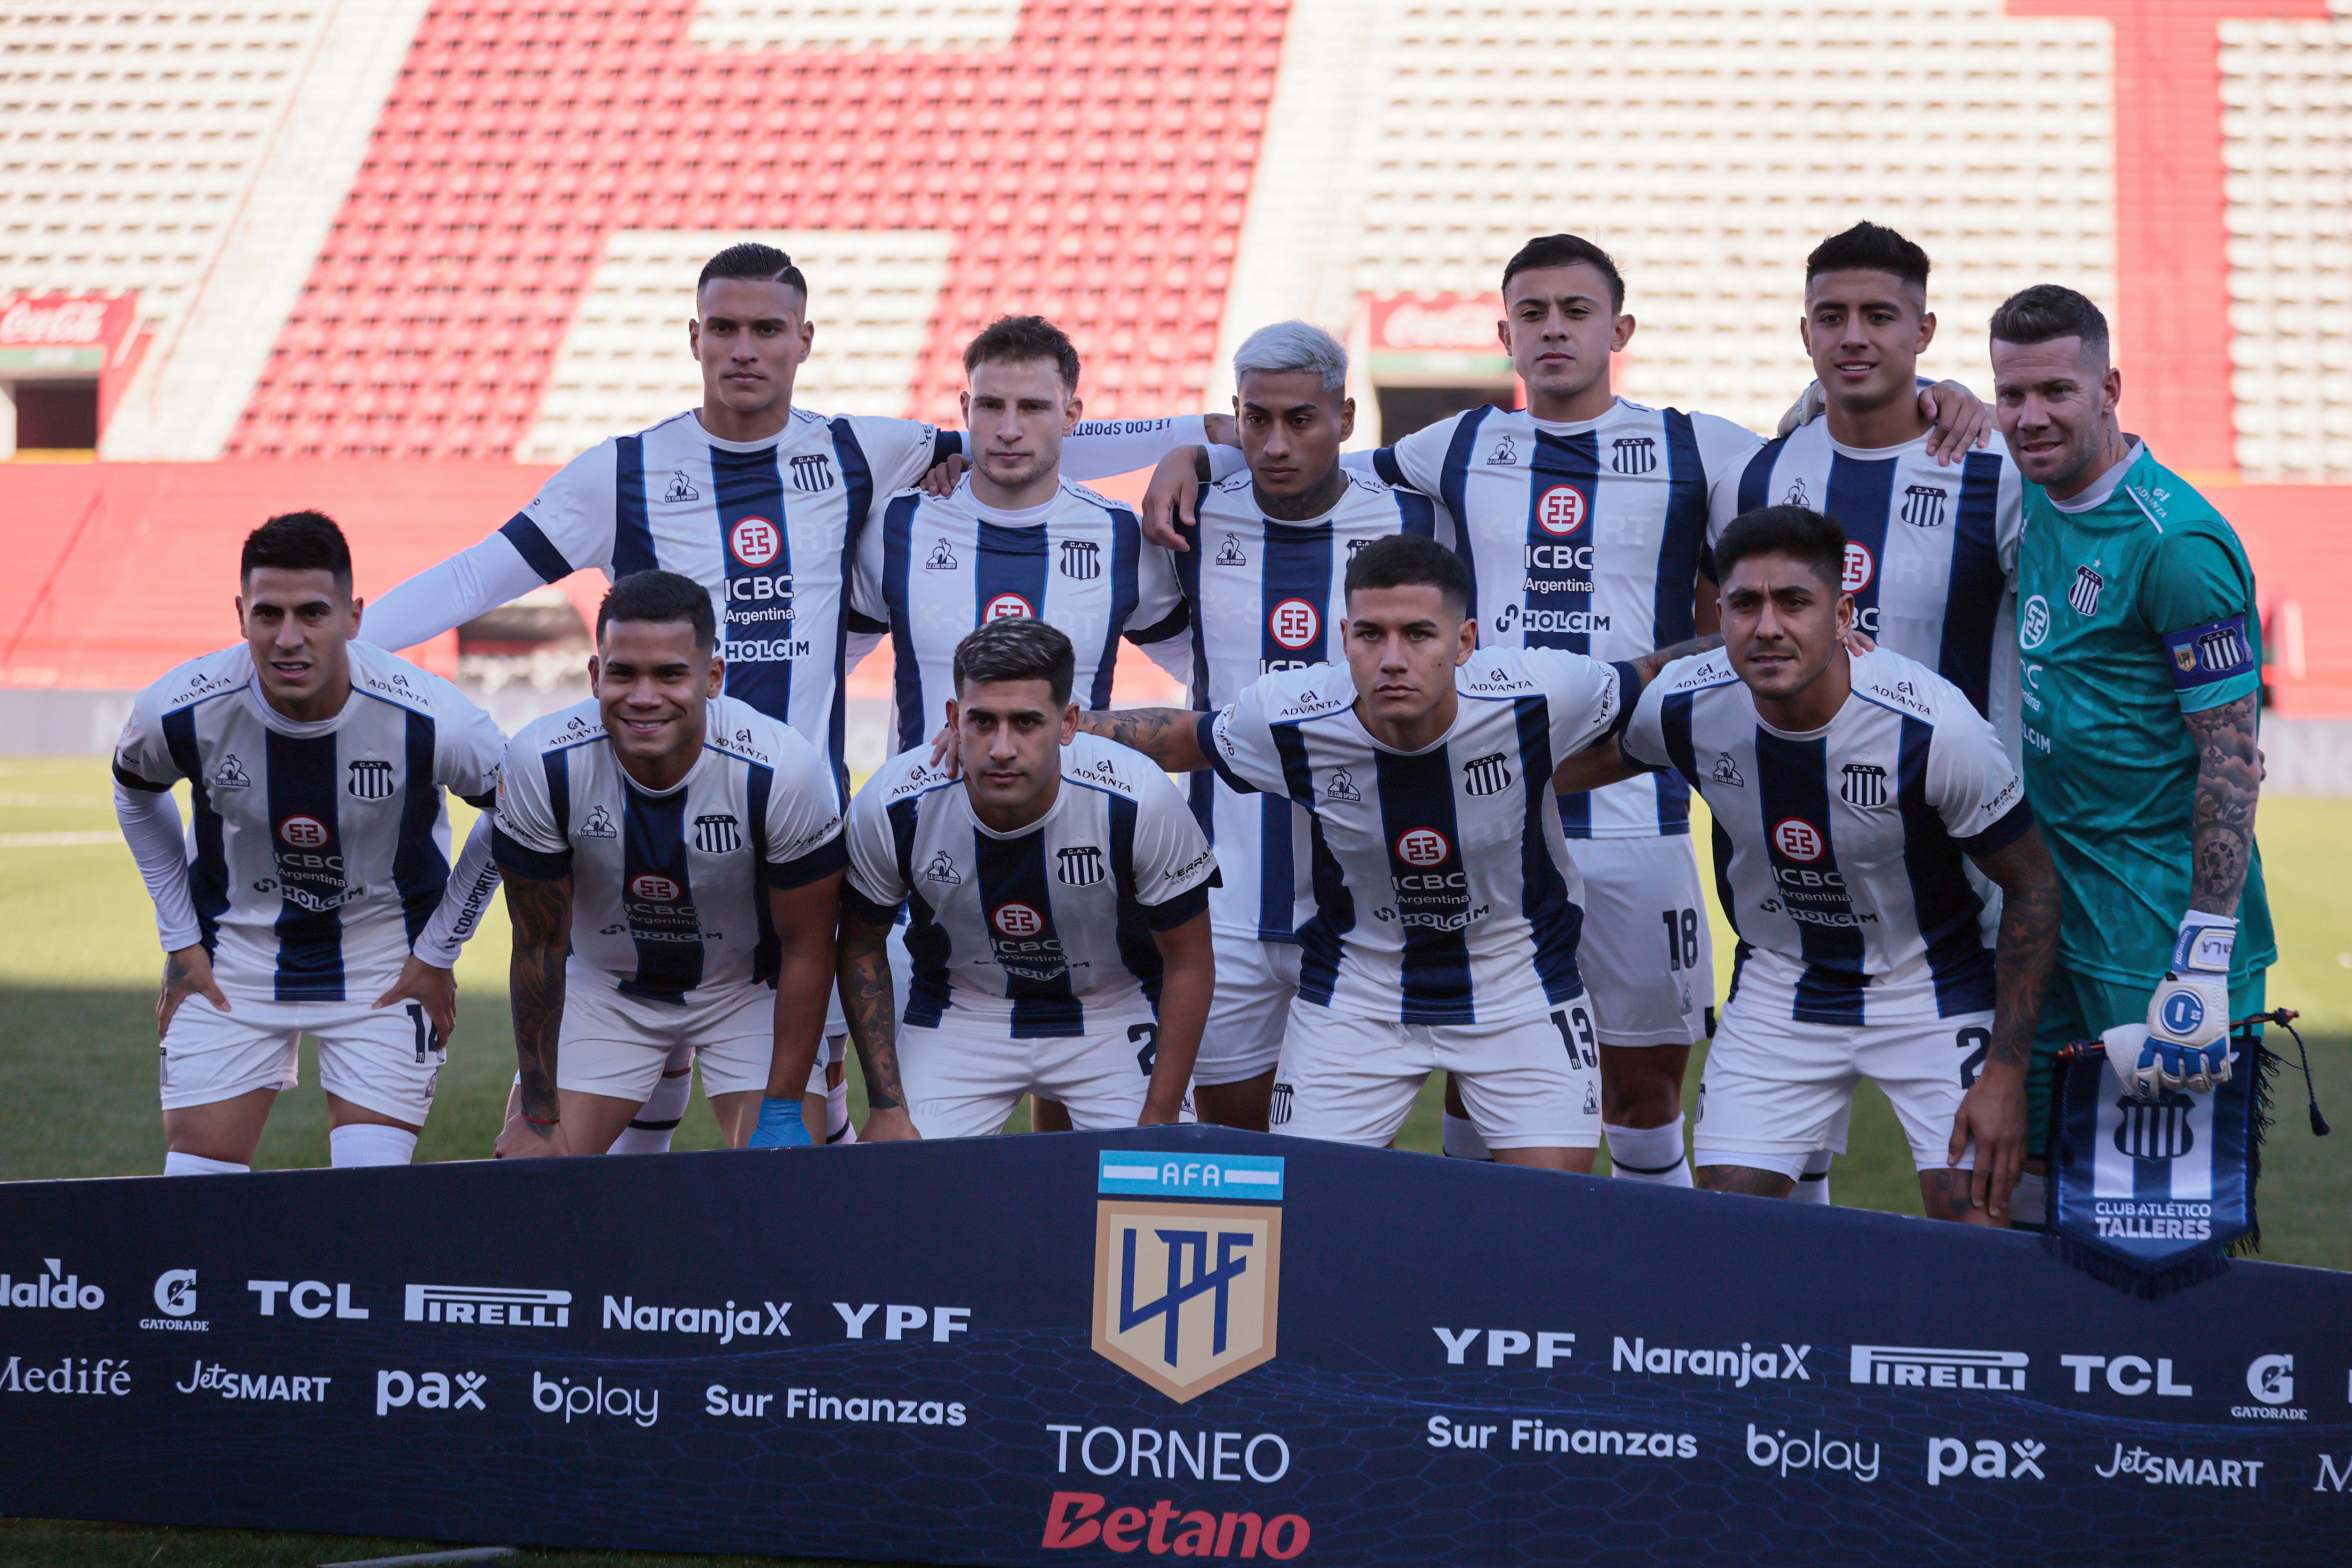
(781, 1126)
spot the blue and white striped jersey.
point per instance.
(1045, 933)
(1443, 890)
(1586, 536)
(1838, 853)
(1930, 555)
(937, 567)
(669, 889)
(319, 851)
(1269, 596)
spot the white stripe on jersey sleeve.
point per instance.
(469, 747)
(1242, 736)
(1724, 450)
(575, 510)
(1171, 854)
(1970, 780)
(1583, 694)
(873, 848)
(524, 812)
(803, 812)
(1421, 457)
(898, 452)
(1646, 733)
(142, 750)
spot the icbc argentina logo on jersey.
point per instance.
(1423, 846)
(1294, 623)
(1008, 607)
(653, 888)
(1017, 920)
(1858, 567)
(755, 541)
(1560, 510)
(1796, 838)
(303, 832)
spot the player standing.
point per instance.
(2142, 667)
(1264, 573)
(673, 862)
(757, 501)
(1846, 789)
(315, 891)
(1057, 903)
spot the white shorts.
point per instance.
(1530, 1085)
(1777, 1089)
(617, 1045)
(1646, 954)
(963, 1078)
(384, 1060)
(1251, 1010)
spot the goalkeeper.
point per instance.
(2139, 654)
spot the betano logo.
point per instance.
(1187, 1295)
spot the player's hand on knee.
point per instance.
(1169, 502)
(433, 988)
(890, 1126)
(944, 476)
(781, 1124)
(1992, 1117)
(1960, 421)
(188, 971)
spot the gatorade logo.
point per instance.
(755, 542)
(1008, 607)
(1423, 846)
(1560, 510)
(1797, 839)
(1294, 623)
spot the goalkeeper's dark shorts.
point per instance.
(2081, 1008)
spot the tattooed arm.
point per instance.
(2221, 829)
(866, 1001)
(540, 913)
(1169, 736)
(1993, 1111)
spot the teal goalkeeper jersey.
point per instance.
(2131, 614)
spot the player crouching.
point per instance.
(685, 850)
(1057, 896)
(1846, 788)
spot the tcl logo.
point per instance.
(1018, 919)
(303, 832)
(654, 890)
(1294, 623)
(1560, 510)
(1796, 838)
(1423, 846)
(755, 542)
(1008, 607)
(1858, 567)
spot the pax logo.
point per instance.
(1859, 567)
(653, 889)
(1008, 607)
(1560, 510)
(1796, 838)
(1423, 846)
(396, 1390)
(1017, 920)
(755, 541)
(1294, 624)
(1948, 1457)
(303, 832)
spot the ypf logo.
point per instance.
(1017, 920)
(1560, 510)
(1796, 838)
(1186, 1294)
(1008, 607)
(653, 889)
(1294, 623)
(303, 832)
(1423, 846)
(755, 542)
(1858, 567)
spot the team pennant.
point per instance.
(2152, 1194)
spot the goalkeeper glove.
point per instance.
(2188, 1042)
(781, 1126)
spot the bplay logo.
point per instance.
(2271, 1379)
(489, 1305)
(175, 1298)
(396, 1390)
(642, 1406)
(1948, 1457)
(1898, 1366)
(305, 1299)
(53, 1288)
(1777, 1451)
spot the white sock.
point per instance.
(1813, 1186)
(178, 1164)
(837, 1129)
(369, 1143)
(1653, 1154)
(656, 1122)
(1462, 1140)
(2030, 1205)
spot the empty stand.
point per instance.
(836, 25)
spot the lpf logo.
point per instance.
(1798, 839)
(1859, 567)
(1008, 607)
(1423, 846)
(653, 889)
(1294, 623)
(755, 541)
(1017, 920)
(303, 832)
(1186, 1295)
(1560, 510)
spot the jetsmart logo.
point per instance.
(488, 1304)
(1894, 1366)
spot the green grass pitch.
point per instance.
(77, 973)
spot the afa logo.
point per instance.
(1186, 1294)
